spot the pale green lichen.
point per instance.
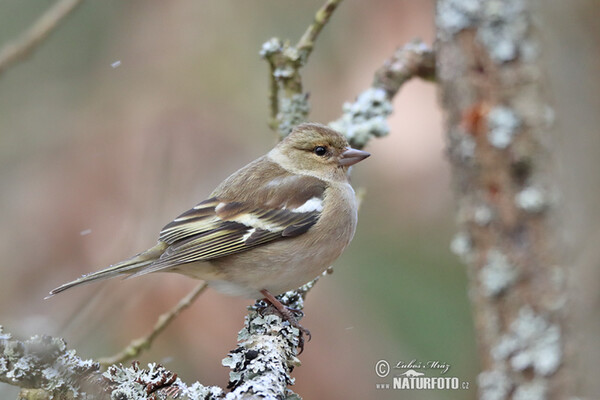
(455, 15)
(292, 112)
(503, 124)
(364, 118)
(462, 146)
(199, 391)
(503, 29)
(483, 215)
(262, 364)
(270, 47)
(502, 26)
(497, 274)
(43, 362)
(532, 199)
(533, 342)
(461, 245)
(535, 390)
(135, 383)
(494, 385)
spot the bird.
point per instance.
(268, 228)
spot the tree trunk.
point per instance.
(497, 123)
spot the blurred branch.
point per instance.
(367, 116)
(307, 41)
(21, 47)
(498, 119)
(135, 348)
(45, 363)
(288, 104)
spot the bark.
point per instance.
(498, 122)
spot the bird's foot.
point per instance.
(287, 313)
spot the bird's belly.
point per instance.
(276, 268)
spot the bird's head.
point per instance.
(316, 150)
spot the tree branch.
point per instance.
(288, 104)
(367, 116)
(497, 119)
(43, 362)
(21, 47)
(307, 41)
(137, 346)
(260, 366)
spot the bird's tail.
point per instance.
(130, 266)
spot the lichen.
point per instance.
(532, 342)
(461, 245)
(503, 29)
(199, 391)
(270, 47)
(532, 199)
(503, 124)
(535, 390)
(44, 363)
(4, 335)
(497, 274)
(502, 26)
(455, 15)
(462, 146)
(364, 118)
(483, 215)
(135, 383)
(292, 111)
(262, 364)
(494, 385)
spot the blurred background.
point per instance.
(95, 158)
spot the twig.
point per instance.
(273, 99)
(307, 41)
(288, 104)
(21, 47)
(138, 345)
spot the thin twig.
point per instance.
(273, 100)
(138, 345)
(288, 104)
(307, 41)
(21, 47)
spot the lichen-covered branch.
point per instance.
(288, 104)
(366, 117)
(135, 348)
(21, 47)
(45, 363)
(260, 366)
(498, 119)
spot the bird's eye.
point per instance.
(320, 151)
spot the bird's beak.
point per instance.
(351, 156)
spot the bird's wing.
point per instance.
(217, 227)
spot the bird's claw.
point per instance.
(287, 313)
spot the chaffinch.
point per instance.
(270, 227)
